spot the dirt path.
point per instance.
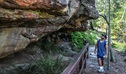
(115, 68)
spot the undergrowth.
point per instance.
(79, 39)
(45, 65)
(119, 46)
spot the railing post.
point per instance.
(80, 64)
(87, 51)
(85, 59)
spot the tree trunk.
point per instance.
(111, 55)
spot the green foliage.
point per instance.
(120, 46)
(118, 17)
(46, 65)
(77, 38)
(49, 66)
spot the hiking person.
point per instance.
(102, 50)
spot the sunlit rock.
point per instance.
(26, 21)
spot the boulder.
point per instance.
(25, 21)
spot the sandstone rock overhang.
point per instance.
(26, 21)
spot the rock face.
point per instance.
(26, 21)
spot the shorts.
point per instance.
(102, 58)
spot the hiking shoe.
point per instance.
(101, 70)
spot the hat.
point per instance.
(104, 36)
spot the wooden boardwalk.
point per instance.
(92, 65)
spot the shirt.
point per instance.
(101, 48)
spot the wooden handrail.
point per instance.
(78, 63)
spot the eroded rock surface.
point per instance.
(26, 21)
